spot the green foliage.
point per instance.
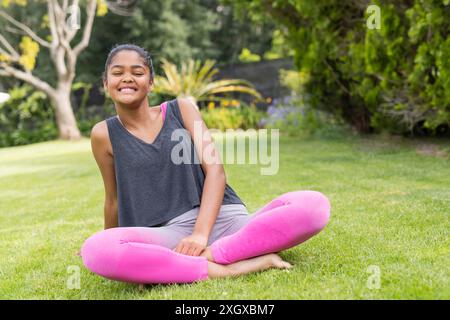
(237, 32)
(280, 48)
(177, 31)
(27, 117)
(295, 118)
(173, 29)
(393, 78)
(294, 81)
(222, 118)
(86, 87)
(251, 116)
(88, 115)
(195, 79)
(247, 56)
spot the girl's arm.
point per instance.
(215, 179)
(102, 150)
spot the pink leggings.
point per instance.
(136, 254)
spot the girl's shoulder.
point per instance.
(100, 135)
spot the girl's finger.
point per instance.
(196, 252)
(191, 250)
(179, 248)
(185, 249)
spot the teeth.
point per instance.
(127, 90)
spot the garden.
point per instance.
(358, 95)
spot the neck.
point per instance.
(135, 117)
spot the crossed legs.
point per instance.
(142, 255)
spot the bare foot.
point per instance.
(207, 253)
(272, 260)
(277, 262)
(260, 263)
(242, 267)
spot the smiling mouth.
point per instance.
(127, 90)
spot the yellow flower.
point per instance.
(269, 100)
(225, 103)
(235, 103)
(45, 22)
(211, 105)
(6, 3)
(102, 8)
(30, 50)
(4, 57)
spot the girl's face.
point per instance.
(128, 78)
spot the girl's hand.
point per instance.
(192, 245)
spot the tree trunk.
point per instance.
(65, 118)
(63, 56)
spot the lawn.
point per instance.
(390, 208)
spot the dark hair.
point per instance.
(132, 47)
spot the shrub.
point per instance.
(27, 117)
(243, 116)
(293, 118)
(391, 78)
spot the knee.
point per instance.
(96, 252)
(317, 207)
(90, 251)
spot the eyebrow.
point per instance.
(133, 66)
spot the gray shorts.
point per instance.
(230, 219)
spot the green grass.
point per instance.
(390, 208)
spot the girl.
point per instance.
(167, 222)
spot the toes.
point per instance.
(282, 264)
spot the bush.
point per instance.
(234, 117)
(293, 118)
(27, 117)
(390, 78)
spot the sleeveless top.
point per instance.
(151, 188)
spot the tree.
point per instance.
(178, 31)
(171, 29)
(237, 31)
(62, 20)
(395, 77)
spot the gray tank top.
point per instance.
(151, 188)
